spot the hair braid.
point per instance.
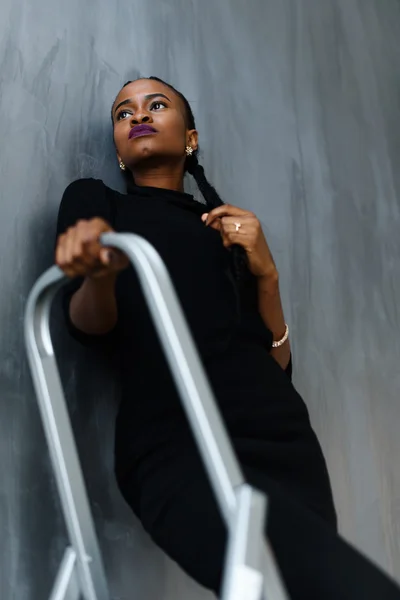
(212, 198)
(210, 194)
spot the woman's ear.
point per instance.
(193, 139)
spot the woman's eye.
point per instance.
(157, 105)
(121, 115)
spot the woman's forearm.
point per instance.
(93, 308)
(271, 311)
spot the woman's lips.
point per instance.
(140, 130)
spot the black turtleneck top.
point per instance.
(266, 417)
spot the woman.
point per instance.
(234, 311)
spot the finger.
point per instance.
(89, 253)
(69, 247)
(61, 256)
(226, 240)
(226, 210)
(71, 269)
(214, 224)
(81, 258)
(217, 225)
(241, 237)
(231, 224)
(230, 237)
(92, 247)
(73, 255)
(76, 260)
(95, 228)
(242, 226)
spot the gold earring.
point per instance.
(122, 166)
(189, 151)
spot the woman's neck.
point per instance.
(160, 178)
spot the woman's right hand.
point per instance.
(80, 254)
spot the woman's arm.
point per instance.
(238, 226)
(89, 302)
(271, 311)
(93, 308)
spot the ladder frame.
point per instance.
(250, 572)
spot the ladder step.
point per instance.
(66, 585)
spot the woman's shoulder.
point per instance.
(85, 198)
(86, 185)
(89, 190)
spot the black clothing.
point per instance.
(156, 461)
(315, 563)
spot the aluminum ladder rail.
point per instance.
(250, 569)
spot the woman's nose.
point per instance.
(140, 118)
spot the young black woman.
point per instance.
(228, 285)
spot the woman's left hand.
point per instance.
(238, 226)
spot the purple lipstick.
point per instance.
(140, 130)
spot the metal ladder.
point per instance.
(250, 570)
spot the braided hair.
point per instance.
(209, 193)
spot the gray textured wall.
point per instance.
(297, 107)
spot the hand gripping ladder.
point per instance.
(250, 570)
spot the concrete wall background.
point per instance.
(297, 108)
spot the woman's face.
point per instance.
(150, 125)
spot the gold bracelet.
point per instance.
(283, 340)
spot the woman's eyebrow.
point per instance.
(148, 97)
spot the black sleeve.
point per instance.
(83, 199)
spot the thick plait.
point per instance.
(212, 198)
